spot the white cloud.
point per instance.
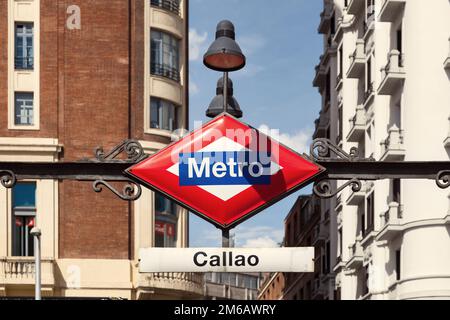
(261, 242)
(258, 237)
(251, 43)
(193, 87)
(299, 141)
(250, 70)
(196, 44)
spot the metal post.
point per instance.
(225, 238)
(225, 91)
(36, 233)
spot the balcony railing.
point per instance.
(369, 92)
(320, 78)
(392, 222)
(165, 71)
(358, 60)
(339, 79)
(24, 63)
(390, 10)
(357, 124)
(393, 147)
(393, 74)
(21, 270)
(169, 5)
(187, 283)
(356, 254)
(325, 19)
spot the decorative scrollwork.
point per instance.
(130, 192)
(443, 179)
(7, 178)
(321, 149)
(323, 189)
(132, 148)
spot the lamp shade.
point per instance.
(216, 106)
(224, 54)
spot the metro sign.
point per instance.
(225, 171)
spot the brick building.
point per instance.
(74, 76)
(305, 226)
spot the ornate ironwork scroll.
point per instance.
(443, 179)
(7, 178)
(323, 189)
(132, 148)
(321, 150)
(130, 192)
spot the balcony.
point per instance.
(447, 140)
(321, 126)
(169, 5)
(355, 6)
(390, 10)
(393, 149)
(358, 61)
(321, 76)
(21, 271)
(318, 290)
(319, 235)
(165, 71)
(357, 125)
(392, 222)
(356, 198)
(393, 75)
(356, 255)
(325, 20)
(186, 285)
(339, 81)
(369, 94)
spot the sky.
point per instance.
(274, 90)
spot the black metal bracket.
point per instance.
(339, 165)
(350, 167)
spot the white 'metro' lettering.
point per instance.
(219, 169)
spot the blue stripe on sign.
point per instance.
(224, 168)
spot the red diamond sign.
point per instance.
(225, 171)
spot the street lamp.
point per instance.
(216, 106)
(224, 55)
(36, 233)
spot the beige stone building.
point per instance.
(384, 79)
(75, 76)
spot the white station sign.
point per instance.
(227, 260)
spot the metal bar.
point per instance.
(81, 171)
(335, 169)
(376, 170)
(225, 92)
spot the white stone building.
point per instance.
(385, 82)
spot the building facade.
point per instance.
(231, 286)
(306, 225)
(74, 76)
(384, 79)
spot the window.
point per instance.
(24, 109)
(166, 220)
(165, 55)
(341, 62)
(340, 126)
(398, 264)
(370, 212)
(396, 190)
(164, 115)
(170, 5)
(328, 257)
(341, 246)
(24, 56)
(399, 40)
(23, 219)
